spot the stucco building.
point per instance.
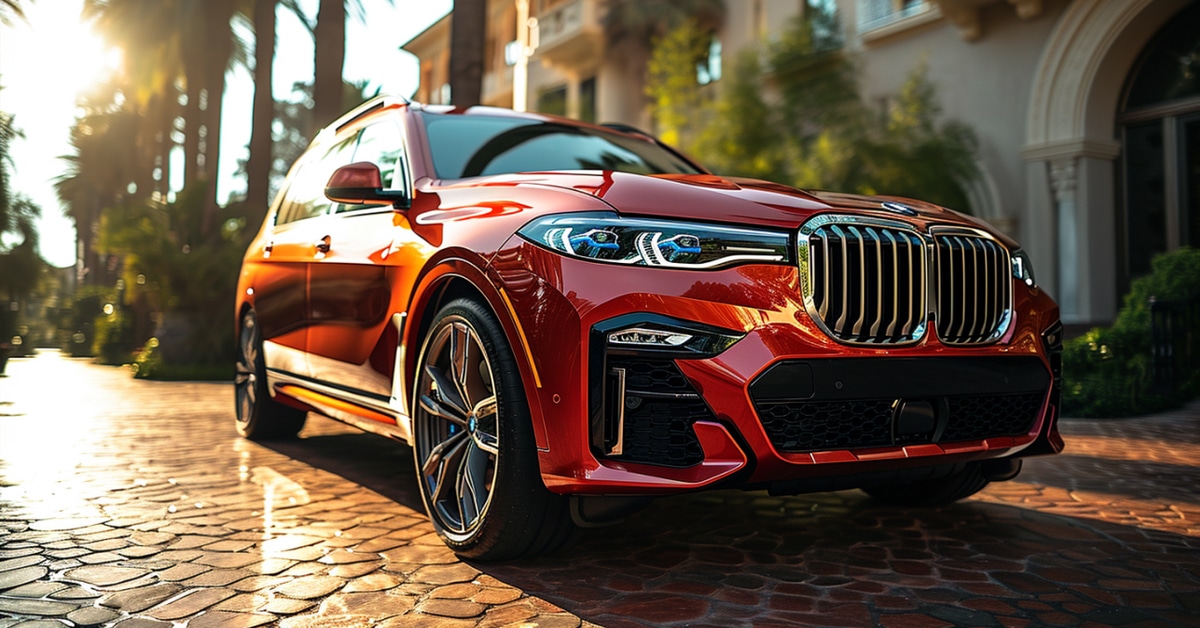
(1087, 111)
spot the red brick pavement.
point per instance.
(134, 504)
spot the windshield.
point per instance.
(470, 146)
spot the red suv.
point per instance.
(563, 319)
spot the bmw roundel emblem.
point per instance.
(899, 208)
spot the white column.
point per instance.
(1063, 182)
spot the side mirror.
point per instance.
(361, 184)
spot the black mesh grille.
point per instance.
(803, 426)
(659, 431)
(973, 418)
(661, 376)
(798, 426)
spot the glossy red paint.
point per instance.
(345, 301)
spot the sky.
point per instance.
(54, 43)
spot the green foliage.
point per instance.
(672, 83)
(113, 342)
(793, 114)
(1108, 371)
(148, 364)
(190, 280)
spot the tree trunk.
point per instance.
(330, 48)
(468, 34)
(220, 41)
(258, 167)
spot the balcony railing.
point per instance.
(873, 14)
(571, 33)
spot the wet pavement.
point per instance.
(135, 504)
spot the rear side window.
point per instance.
(306, 196)
(469, 146)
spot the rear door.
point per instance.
(293, 244)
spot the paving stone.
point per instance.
(445, 574)
(287, 606)
(44, 608)
(20, 552)
(372, 582)
(228, 546)
(18, 563)
(108, 545)
(257, 583)
(104, 575)
(75, 593)
(138, 551)
(67, 524)
(99, 558)
(183, 571)
(346, 557)
(225, 619)
(226, 560)
(38, 623)
(310, 587)
(217, 578)
(151, 538)
(354, 570)
(36, 589)
(21, 576)
(460, 609)
(142, 622)
(138, 600)
(190, 604)
(373, 604)
(92, 616)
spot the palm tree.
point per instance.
(10, 7)
(468, 34)
(258, 166)
(8, 132)
(329, 38)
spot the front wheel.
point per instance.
(473, 443)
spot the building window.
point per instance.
(553, 101)
(1160, 133)
(874, 14)
(709, 69)
(587, 100)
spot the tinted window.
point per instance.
(468, 146)
(306, 196)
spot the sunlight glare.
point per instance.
(74, 55)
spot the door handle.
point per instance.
(323, 244)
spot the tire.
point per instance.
(933, 492)
(259, 417)
(473, 443)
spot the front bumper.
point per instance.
(782, 403)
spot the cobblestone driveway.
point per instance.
(135, 504)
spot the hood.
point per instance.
(729, 200)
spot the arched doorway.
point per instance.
(1073, 223)
(1159, 125)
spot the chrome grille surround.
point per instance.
(873, 281)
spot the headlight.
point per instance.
(606, 237)
(1022, 269)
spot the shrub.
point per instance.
(1109, 371)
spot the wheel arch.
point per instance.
(455, 278)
